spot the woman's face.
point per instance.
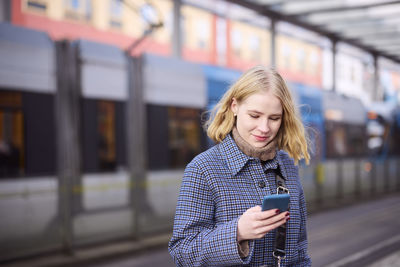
(258, 118)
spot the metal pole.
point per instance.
(398, 174)
(136, 140)
(334, 51)
(68, 149)
(376, 93)
(373, 177)
(273, 43)
(386, 174)
(5, 7)
(339, 188)
(177, 33)
(357, 189)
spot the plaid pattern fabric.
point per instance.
(218, 186)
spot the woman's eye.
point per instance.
(254, 116)
(275, 118)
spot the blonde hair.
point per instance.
(291, 136)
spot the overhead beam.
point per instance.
(389, 47)
(319, 19)
(394, 34)
(340, 9)
(362, 26)
(264, 10)
(364, 23)
(390, 40)
(371, 32)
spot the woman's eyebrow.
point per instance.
(258, 112)
(254, 111)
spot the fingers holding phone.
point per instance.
(255, 223)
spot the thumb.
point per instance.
(255, 209)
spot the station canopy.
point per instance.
(372, 25)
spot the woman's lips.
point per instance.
(260, 138)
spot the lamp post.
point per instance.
(151, 16)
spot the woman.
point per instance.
(218, 220)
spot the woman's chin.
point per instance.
(259, 144)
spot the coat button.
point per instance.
(261, 184)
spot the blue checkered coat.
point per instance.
(218, 186)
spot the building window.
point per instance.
(237, 42)
(301, 60)
(314, 60)
(116, 13)
(254, 42)
(36, 5)
(202, 30)
(78, 9)
(286, 53)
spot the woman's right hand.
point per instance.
(255, 223)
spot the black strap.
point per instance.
(280, 238)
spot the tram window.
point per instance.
(336, 145)
(103, 136)
(356, 140)
(27, 134)
(174, 135)
(11, 134)
(39, 133)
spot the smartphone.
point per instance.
(277, 201)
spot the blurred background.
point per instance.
(102, 102)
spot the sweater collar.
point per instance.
(235, 159)
(265, 153)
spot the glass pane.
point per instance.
(174, 136)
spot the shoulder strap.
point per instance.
(281, 184)
(280, 238)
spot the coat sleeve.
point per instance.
(305, 259)
(197, 240)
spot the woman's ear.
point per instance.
(234, 105)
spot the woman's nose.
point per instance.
(263, 126)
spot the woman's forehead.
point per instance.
(263, 101)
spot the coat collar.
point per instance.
(235, 159)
